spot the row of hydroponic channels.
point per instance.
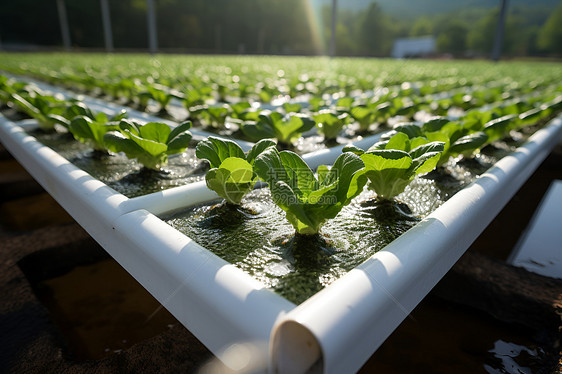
(308, 199)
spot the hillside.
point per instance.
(412, 9)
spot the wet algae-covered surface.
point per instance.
(258, 239)
(122, 174)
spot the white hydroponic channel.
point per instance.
(335, 330)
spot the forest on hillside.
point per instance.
(280, 27)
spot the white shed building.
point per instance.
(413, 47)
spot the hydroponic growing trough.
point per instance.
(335, 330)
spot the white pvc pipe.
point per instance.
(335, 330)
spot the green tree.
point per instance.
(452, 37)
(550, 34)
(481, 36)
(375, 32)
(516, 37)
(422, 27)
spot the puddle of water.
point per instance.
(440, 337)
(514, 358)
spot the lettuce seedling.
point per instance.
(239, 109)
(77, 109)
(384, 111)
(197, 96)
(364, 116)
(534, 115)
(150, 144)
(497, 128)
(210, 116)
(292, 107)
(92, 129)
(231, 175)
(309, 200)
(528, 118)
(391, 165)
(274, 125)
(42, 108)
(330, 124)
(455, 136)
(161, 94)
(344, 104)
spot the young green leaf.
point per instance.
(231, 175)
(364, 116)
(330, 124)
(292, 107)
(91, 132)
(498, 128)
(392, 165)
(309, 201)
(150, 144)
(468, 145)
(274, 124)
(39, 107)
(210, 116)
(232, 180)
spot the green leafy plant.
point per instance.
(330, 124)
(286, 129)
(292, 107)
(239, 109)
(231, 175)
(391, 165)
(457, 139)
(364, 116)
(75, 109)
(210, 116)
(537, 114)
(195, 96)
(309, 200)
(89, 129)
(40, 107)
(498, 128)
(384, 111)
(150, 144)
(161, 94)
(344, 104)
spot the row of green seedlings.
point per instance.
(150, 144)
(139, 90)
(286, 126)
(48, 110)
(255, 125)
(365, 115)
(387, 167)
(91, 128)
(309, 199)
(330, 122)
